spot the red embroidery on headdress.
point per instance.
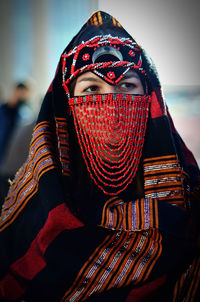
(92, 45)
(111, 75)
(86, 57)
(131, 53)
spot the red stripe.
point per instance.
(50, 88)
(145, 291)
(24, 269)
(156, 110)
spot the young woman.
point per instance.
(106, 208)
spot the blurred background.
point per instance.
(34, 33)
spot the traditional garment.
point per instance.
(82, 224)
(8, 121)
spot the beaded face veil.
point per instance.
(110, 127)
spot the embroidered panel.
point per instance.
(133, 216)
(163, 179)
(97, 19)
(25, 184)
(63, 144)
(123, 258)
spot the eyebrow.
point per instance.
(129, 75)
(88, 79)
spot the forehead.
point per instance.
(90, 76)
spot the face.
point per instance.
(89, 83)
(22, 94)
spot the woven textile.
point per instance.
(84, 221)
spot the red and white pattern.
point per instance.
(79, 59)
(110, 130)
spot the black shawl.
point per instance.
(62, 239)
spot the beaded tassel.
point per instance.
(110, 130)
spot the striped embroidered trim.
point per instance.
(188, 284)
(130, 216)
(99, 98)
(25, 184)
(163, 179)
(123, 258)
(63, 144)
(97, 19)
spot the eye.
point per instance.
(91, 88)
(127, 85)
(131, 86)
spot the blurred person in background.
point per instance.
(10, 115)
(14, 115)
(16, 155)
(106, 207)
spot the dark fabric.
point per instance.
(16, 155)
(18, 149)
(8, 120)
(63, 239)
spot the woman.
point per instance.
(106, 206)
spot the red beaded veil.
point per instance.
(111, 130)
